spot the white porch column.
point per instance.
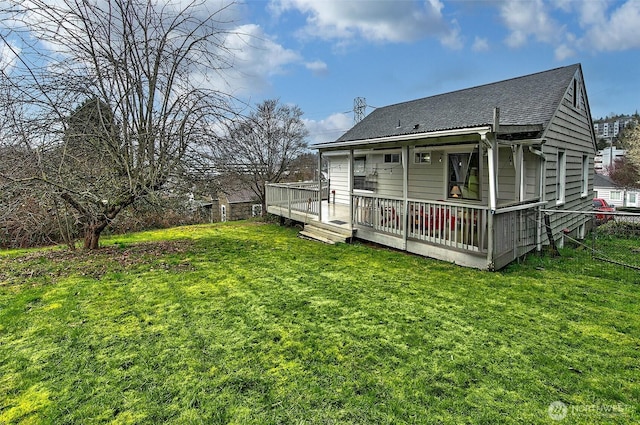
(518, 163)
(350, 185)
(492, 163)
(320, 186)
(405, 195)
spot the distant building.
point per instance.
(605, 188)
(610, 128)
(606, 158)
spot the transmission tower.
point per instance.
(359, 107)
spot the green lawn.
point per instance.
(244, 323)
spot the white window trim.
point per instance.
(585, 175)
(384, 158)
(418, 154)
(561, 177)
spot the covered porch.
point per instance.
(469, 235)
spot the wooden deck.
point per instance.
(468, 235)
(332, 214)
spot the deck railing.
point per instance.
(515, 228)
(382, 214)
(299, 197)
(441, 223)
(449, 224)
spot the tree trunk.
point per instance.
(92, 233)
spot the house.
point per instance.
(232, 203)
(605, 158)
(236, 204)
(465, 176)
(606, 189)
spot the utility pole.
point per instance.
(359, 107)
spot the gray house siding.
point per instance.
(422, 176)
(571, 132)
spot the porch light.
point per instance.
(455, 192)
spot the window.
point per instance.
(631, 198)
(585, 175)
(561, 176)
(223, 213)
(577, 95)
(616, 195)
(359, 165)
(422, 158)
(392, 158)
(463, 175)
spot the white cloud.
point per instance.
(256, 58)
(452, 39)
(329, 129)
(8, 56)
(602, 25)
(618, 31)
(317, 67)
(590, 12)
(380, 21)
(563, 52)
(529, 19)
(480, 44)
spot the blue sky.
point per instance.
(320, 55)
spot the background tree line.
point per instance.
(103, 118)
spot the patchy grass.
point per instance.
(245, 323)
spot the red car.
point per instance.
(601, 205)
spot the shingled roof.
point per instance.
(529, 100)
(600, 180)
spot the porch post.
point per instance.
(350, 185)
(518, 163)
(320, 186)
(405, 195)
(492, 160)
(492, 163)
(492, 202)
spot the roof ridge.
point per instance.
(575, 65)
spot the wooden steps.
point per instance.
(326, 233)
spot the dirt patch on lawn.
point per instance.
(47, 266)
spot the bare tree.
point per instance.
(261, 147)
(625, 174)
(112, 97)
(631, 141)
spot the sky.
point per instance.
(322, 54)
